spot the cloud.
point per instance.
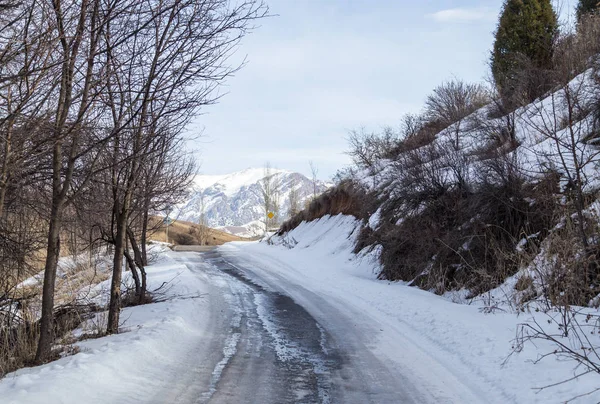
(464, 15)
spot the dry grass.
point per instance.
(346, 198)
(17, 348)
(186, 233)
(19, 325)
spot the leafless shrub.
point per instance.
(565, 123)
(527, 83)
(185, 239)
(444, 227)
(453, 101)
(368, 148)
(573, 337)
(346, 198)
(17, 348)
(411, 125)
(420, 136)
(566, 272)
(576, 52)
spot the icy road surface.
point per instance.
(267, 347)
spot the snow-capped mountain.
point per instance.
(234, 202)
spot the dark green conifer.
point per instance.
(524, 41)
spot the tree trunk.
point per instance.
(144, 286)
(144, 239)
(52, 255)
(138, 258)
(114, 306)
(4, 173)
(91, 247)
(134, 273)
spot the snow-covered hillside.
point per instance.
(234, 202)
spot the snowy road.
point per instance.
(264, 347)
(302, 321)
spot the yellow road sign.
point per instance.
(270, 215)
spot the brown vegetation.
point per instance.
(347, 198)
(188, 233)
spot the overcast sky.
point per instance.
(322, 67)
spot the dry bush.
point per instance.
(185, 239)
(424, 136)
(453, 101)
(442, 234)
(347, 198)
(568, 273)
(20, 307)
(527, 83)
(94, 327)
(17, 348)
(368, 148)
(498, 134)
(576, 52)
(442, 248)
(131, 298)
(19, 333)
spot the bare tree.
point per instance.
(269, 190)
(171, 67)
(76, 28)
(313, 171)
(293, 198)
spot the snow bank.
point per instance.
(128, 367)
(437, 340)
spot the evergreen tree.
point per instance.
(586, 7)
(523, 47)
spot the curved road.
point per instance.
(265, 347)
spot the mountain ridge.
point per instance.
(234, 202)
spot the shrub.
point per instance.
(367, 148)
(185, 239)
(575, 52)
(347, 198)
(453, 101)
(440, 234)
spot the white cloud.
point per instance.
(462, 15)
